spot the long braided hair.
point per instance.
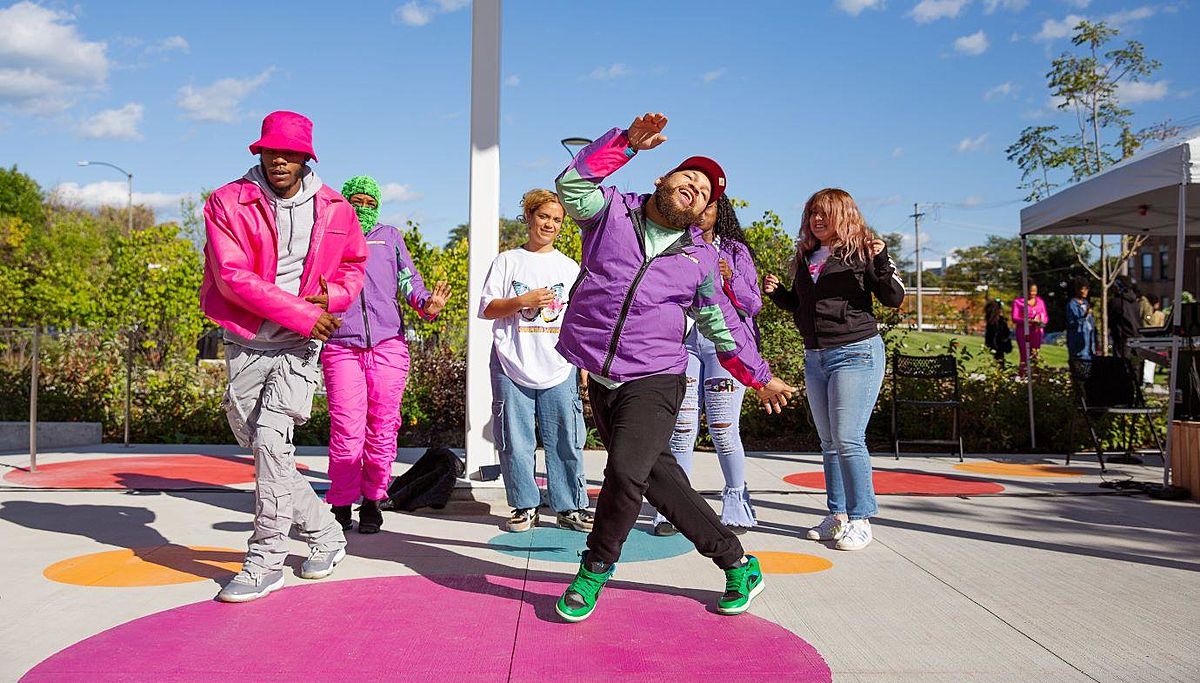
(728, 227)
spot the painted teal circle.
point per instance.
(563, 545)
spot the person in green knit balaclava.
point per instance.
(366, 365)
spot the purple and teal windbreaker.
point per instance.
(626, 318)
(375, 315)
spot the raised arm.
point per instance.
(742, 287)
(783, 297)
(579, 185)
(409, 282)
(882, 277)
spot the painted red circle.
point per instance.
(903, 482)
(169, 472)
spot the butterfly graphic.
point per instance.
(548, 313)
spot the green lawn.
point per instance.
(931, 343)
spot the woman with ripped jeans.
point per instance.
(710, 388)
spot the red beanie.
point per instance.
(711, 169)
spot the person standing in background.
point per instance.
(1033, 308)
(996, 335)
(1081, 325)
(534, 389)
(366, 365)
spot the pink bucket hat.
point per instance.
(286, 130)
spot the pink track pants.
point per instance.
(364, 387)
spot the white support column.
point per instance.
(1176, 321)
(1025, 330)
(484, 224)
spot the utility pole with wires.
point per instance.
(916, 216)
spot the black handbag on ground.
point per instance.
(428, 483)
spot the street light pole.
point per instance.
(128, 178)
(129, 335)
(568, 143)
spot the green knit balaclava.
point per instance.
(364, 184)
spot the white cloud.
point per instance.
(44, 62)
(972, 144)
(116, 124)
(1130, 92)
(1055, 29)
(932, 10)
(219, 101)
(897, 153)
(971, 202)
(990, 6)
(1000, 91)
(973, 45)
(608, 73)
(168, 44)
(713, 75)
(512, 81)
(856, 7)
(395, 192)
(418, 13)
(114, 193)
(1127, 16)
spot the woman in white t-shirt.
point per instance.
(525, 293)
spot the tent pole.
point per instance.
(1025, 325)
(1176, 318)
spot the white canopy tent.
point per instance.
(1148, 194)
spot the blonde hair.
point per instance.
(852, 237)
(531, 200)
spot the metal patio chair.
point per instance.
(1107, 385)
(940, 374)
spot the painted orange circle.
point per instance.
(167, 472)
(162, 565)
(1019, 469)
(908, 483)
(775, 562)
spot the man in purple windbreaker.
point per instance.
(646, 268)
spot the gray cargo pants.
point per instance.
(269, 393)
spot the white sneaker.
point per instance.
(857, 535)
(830, 529)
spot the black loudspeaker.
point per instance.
(1187, 392)
(1189, 319)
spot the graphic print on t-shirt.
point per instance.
(548, 313)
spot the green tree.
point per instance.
(1087, 83)
(20, 196)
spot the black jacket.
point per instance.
(836, 309)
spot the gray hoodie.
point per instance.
(294, 219)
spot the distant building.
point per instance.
(1153, 268)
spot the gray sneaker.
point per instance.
(246, 586)
(320, 563)
(579, 520)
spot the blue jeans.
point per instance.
(722, 396)
(557, 413)
(842, 385)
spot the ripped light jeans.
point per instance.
(842, 385)
(711, 386)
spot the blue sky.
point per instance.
(897, 101)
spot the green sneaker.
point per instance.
(579, 600)
(742, 585)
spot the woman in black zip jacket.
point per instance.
(839, 268)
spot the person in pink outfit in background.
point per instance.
(366, 365)
(1035, 308)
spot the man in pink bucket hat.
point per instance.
(284, 253)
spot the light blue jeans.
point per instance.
(842, 385)
(557, 414)
(712, 387)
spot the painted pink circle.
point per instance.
(169, 472)
(900, 482)
(441, 628)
